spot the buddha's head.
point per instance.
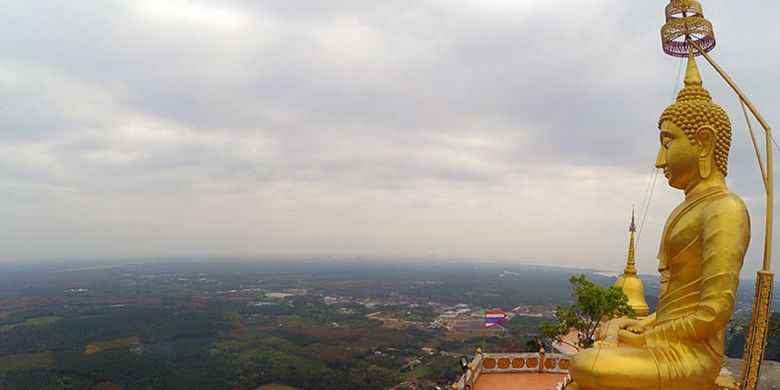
(695, 135)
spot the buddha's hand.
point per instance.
(626, 337)
(611, 327)
(635, 328)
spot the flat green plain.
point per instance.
(26, 361)
(34, 321)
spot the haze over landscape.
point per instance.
(503, 130)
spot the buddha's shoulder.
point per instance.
(724, 202)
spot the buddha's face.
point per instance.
(678, 157)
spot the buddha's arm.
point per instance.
(725, 235)
(648, 322)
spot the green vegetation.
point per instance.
(593, 304)
(738, 330)
(773, 330)
(25, 362)
(221, 325)
(34, 321)
(99, 346)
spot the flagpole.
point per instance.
(484, 331)
(492, 318)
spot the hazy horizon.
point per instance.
(367, 261)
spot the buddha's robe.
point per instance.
(704, 242)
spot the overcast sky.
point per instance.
(518, 131)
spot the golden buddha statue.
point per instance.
(680, 346)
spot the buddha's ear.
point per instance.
(705, 137)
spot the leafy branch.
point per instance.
(592, 305)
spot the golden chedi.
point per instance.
(680, 346)
(630, 283)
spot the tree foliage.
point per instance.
(592, 305)
(742, 325)
(774, 326)
(738, 330)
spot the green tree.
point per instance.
(738, 330)
(592, 305)
(534, 345)
(774, 326)
(741, 325)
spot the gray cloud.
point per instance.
(510, 130)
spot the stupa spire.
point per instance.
(629, 282)
(631, 262)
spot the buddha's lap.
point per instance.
(641, 368)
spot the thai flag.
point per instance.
(492, 318)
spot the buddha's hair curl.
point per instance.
(694, 108)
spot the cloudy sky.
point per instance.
(518, 131)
